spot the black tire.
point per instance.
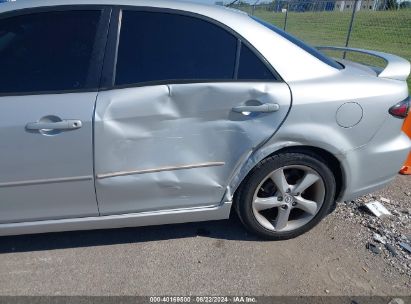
(244, 195)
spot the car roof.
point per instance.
(290, 61)
(199, 8)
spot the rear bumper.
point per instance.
(376, 164)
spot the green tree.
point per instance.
(390, 4)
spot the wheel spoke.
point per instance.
(306, 205)
(282, 218)
(308, 180)
(263, 221)
(266, 203)
(279, 180)
(291, 186)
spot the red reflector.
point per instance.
(400, 110)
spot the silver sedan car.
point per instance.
(139, 112)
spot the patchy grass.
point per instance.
(386, 31)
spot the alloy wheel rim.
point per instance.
(288, 198)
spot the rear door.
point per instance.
(50, 61)
(188, 102)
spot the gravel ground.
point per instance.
(384, 234)
(219, 258)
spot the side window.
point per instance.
(162, 46)
(48, 51)
(251, 67)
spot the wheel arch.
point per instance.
(331, 161)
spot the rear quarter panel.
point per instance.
(312, 122)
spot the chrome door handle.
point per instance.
(264, 108)
(69, 124)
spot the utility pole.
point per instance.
(354, 9)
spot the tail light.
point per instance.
(400, 110)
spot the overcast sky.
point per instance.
(202, 1)
(210, 1)
(225, 1)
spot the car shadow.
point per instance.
(231, 229)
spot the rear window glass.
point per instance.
(161, 46)
(251, 67)
(309, 49)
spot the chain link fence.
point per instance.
(383, 25)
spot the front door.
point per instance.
(47, 98)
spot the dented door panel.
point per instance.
(177, 146)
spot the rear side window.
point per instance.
(48, 51)
(158, 46)
(251, 67)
